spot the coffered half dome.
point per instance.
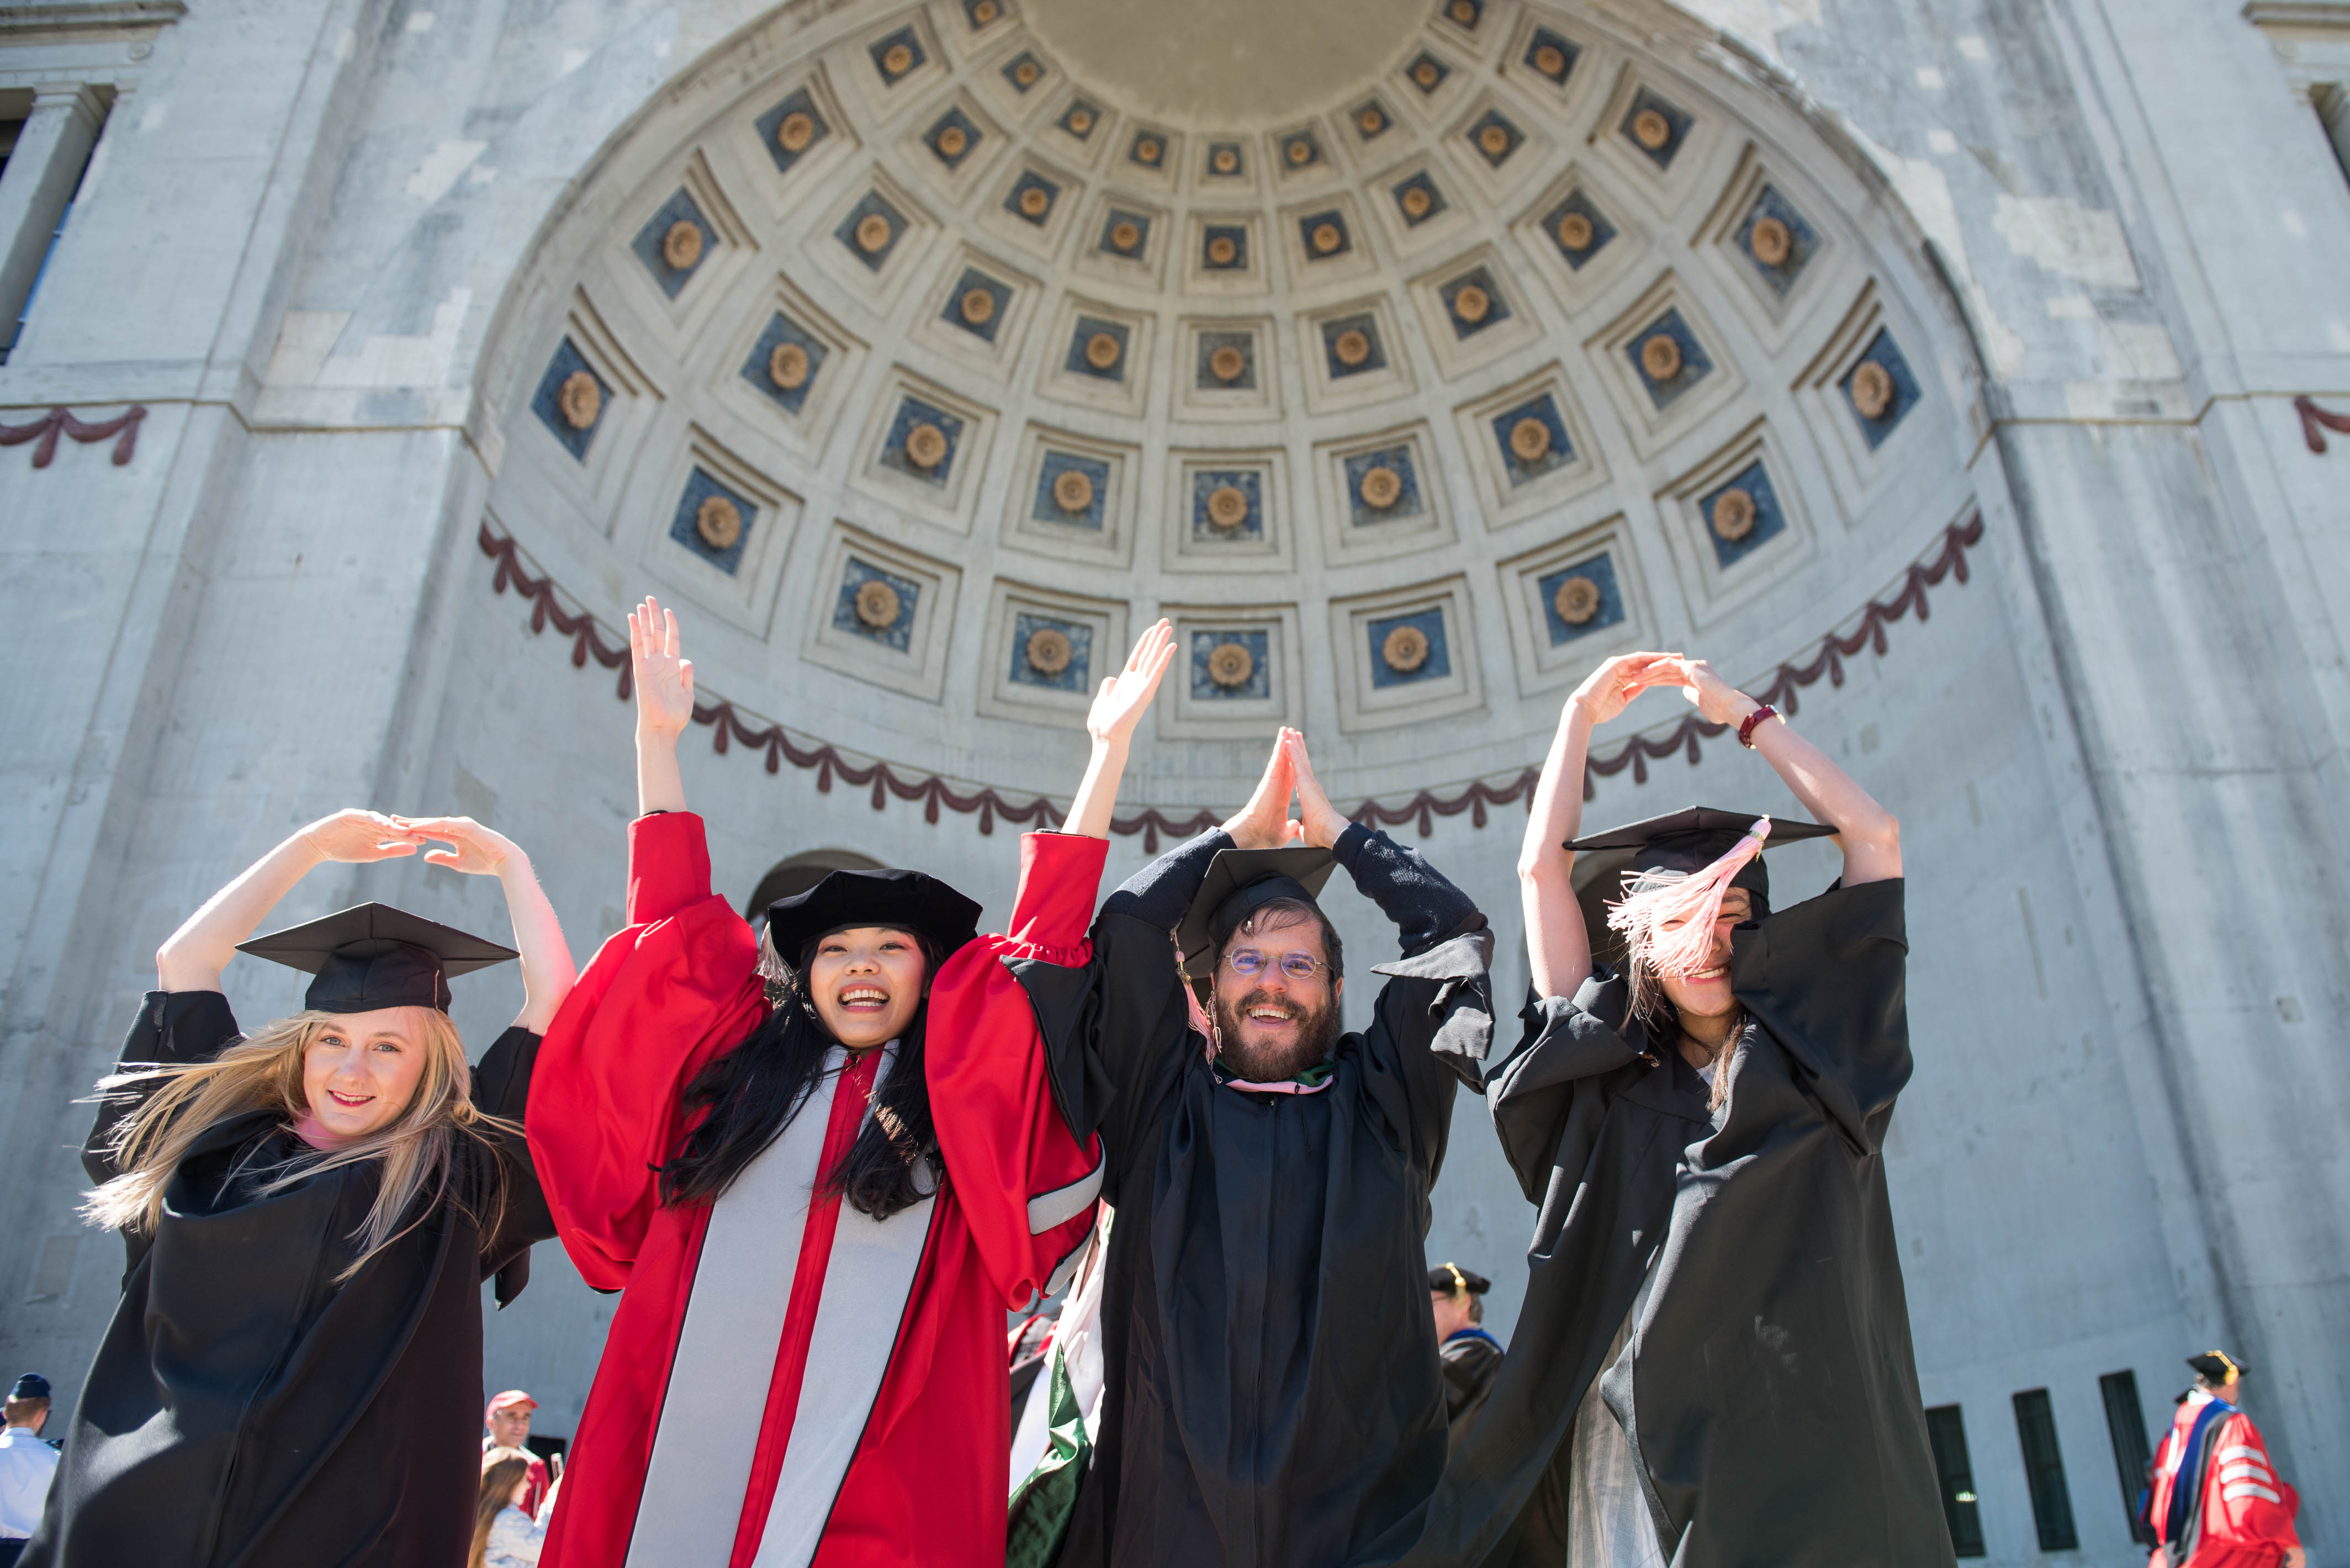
(926, 354)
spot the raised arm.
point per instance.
(1116, 710)
(1867, 834)
(1426, 908)
(663, 683)
(1557, 946)
(193, 957)
(547, 972)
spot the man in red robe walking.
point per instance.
(2217, 1500)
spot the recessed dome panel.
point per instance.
(1244, 64)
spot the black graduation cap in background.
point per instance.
(1239, 883)
(904, 900)
(1453, 1279)
(1690, 839)
(2216, 1366)
(372, 955)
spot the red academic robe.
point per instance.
(2247, 1513)
(815, 1388)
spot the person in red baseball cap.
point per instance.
(506, 1424)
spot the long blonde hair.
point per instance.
(501, 1470)
(263, 1073)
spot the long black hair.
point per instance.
(752, 1092)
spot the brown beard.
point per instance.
(1317, 1032)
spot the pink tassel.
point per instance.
(1668, 918)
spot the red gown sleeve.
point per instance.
(1027, 1186)
(674, 989)
(2246, 1503)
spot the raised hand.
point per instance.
(358, 837)
(1321, 822)
(1124, 698)
(476, 850)
(1264, 823)
(663, 680)
(1718, 702)
(1608, 690)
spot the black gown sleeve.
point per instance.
(1538, 1091)
(1826, 979)
(518, 1211)
(1116, 1030)
(173, 1028)
(1433, 1022)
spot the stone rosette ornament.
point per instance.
(1048, 651)
(1230, 664)
(1405, 649)
(581, 400)
(876, 605)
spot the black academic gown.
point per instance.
(1274, 1396)
(245, 1411)
(1768, 1377)
(1470, 1359)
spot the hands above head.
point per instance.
(1321, 823)
(664, 680)
(1118, 708)
(1608, 690)
(357, 836)
(476, 850)
(1264, 823)
(1718, 702)
(1124, 698)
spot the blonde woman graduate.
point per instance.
(820, 1172)
(292, 1376)
(1712, 1364)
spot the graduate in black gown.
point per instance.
(293, 1375)
(1456, 1296)
(1712, 1364)
(1273, 1394)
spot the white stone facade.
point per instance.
(348, 254)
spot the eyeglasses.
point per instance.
(1249, 963)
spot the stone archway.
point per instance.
(924, 367)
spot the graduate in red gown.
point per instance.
(2217, 1500)
(818, 1182)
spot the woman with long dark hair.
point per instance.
(819, 1168)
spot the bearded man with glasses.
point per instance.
(1271, 1390)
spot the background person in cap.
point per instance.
(1700, 1119)
(819, 1181)
(308, 1214)
(2217, 1500)
(27, 1464)
(506, 1424)
(1456, 1298)
(1274, 1394)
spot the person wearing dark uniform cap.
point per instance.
(27, 1464)
(2217, 1500)
(1273, 1393)
(818, 1168)
(1456, 1297)
(293, 1376)
(1712, 1364)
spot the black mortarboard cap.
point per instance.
(2216, 1366)
(904, 900)
(1239, 883)
(1451, 1278)
(32, 1385)
(372, 955)
(1687, 840)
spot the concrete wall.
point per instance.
(323, 242)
